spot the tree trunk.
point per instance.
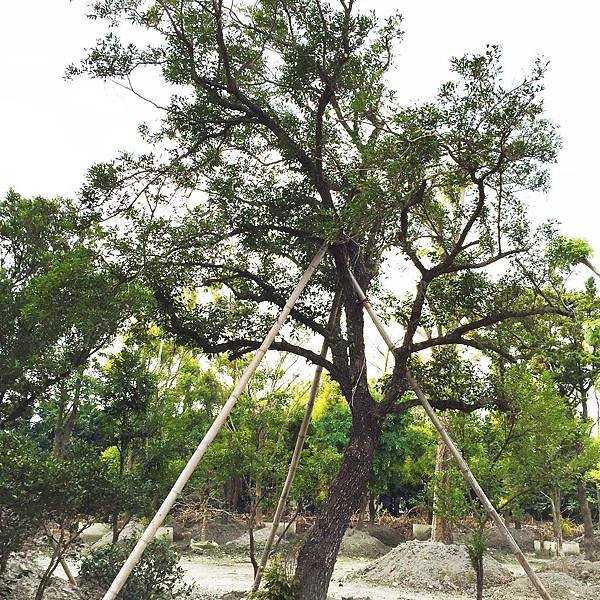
(362, 511)
(598, 501)
(232, 491)
(372, 509)
(115, 527)
(556, 518)
(318, 555)
(66, 418)
(59, 442)
(258, 512)
(586, 513)
(441, 528)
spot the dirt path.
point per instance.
(215, 576)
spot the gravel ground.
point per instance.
(216, 577)
(560, 586)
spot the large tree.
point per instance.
(282, 131)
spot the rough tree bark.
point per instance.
(591, 544)
(232, 490)
(586, 513)
(317, 557)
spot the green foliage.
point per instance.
(127, 390)
(566, 252)
(451, 494)
(278, 582)
(36, 488)
(327, 439)
(568, 527)
(23, 483)
(156, 576)
(282, 132)
(549, 446)
(59, 302)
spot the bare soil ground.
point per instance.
(216, 576)
(411, 571)
(575, 566)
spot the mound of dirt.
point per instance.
(494, 538)
(357, 543)
(430, 566)
(242, 542)
(131, 531)
(224, 529)
(560, 586)
(524, 538)
(387, 535)
(591, 548)
(577, 567)
(22, 577)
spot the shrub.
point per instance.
(278, 582)
(568, 527)
(23, 481)
(157, 576)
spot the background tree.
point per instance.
(60, 301)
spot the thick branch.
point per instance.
(456, 334)
(236, 347)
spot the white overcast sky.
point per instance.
(52, 130)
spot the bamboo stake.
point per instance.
(210, 435)
(287, 486)
(462, 464)
(68, 572)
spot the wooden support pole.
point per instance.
(289, 480)
(68, 572)
(462, 464)
(210, 435)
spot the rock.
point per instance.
(223, 529)
(95, 532)
(22, 577)
(496, 539)
(132, 531)
(283, 526)
(260, 537)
